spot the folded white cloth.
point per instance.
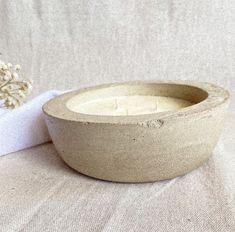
(24, 127)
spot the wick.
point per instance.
(116, 103)
(127, 112)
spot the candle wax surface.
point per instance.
(129, 105)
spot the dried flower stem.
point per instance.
(13, 90)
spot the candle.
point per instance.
(148, 146)
(129, 105)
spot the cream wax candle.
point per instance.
(129, 105)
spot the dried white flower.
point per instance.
(4, 67)
(9, 65)
(17, 67)
(15, 76)
(13, 90)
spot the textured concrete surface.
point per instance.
(138, 148)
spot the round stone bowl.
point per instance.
(140, 131)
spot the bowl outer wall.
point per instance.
(141, 152)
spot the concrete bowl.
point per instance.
(140, 147)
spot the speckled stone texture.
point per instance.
(139, 148)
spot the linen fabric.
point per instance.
(24, 126)
(39, 192)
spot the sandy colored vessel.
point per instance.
(137, 131)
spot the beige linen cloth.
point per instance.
(67, 44)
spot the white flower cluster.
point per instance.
(13, 90)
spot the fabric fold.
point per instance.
(24, 127)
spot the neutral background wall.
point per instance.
(69, 44)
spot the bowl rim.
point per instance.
(217, 96)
